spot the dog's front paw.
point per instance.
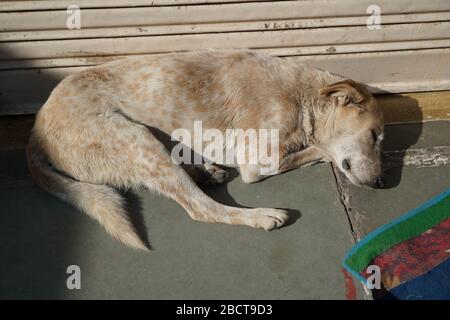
(216, 175)
(268, 218)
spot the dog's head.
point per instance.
(353, 132)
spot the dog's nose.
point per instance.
(379, 183)
(346, 164)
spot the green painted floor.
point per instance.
(41, 236)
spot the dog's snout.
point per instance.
(379, 183)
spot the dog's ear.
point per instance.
(347, 92)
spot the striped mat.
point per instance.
(412, 253)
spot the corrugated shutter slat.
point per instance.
(409, 53)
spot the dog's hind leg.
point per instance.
(160, 174)
(155, 169)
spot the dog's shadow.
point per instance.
(134, 209)
(399, 137)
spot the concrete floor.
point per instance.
(41, 236)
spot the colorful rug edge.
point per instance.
(400, 232)
(372, 235)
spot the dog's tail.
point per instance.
(100, 202)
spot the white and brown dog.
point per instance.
(98, 130)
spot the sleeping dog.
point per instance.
(98, 131)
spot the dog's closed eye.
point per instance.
(374, 137)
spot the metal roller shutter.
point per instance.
(410, 51)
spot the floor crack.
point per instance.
(344, 197)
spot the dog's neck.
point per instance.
(314, 110)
